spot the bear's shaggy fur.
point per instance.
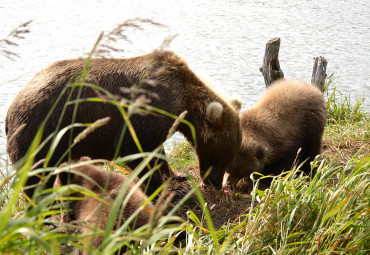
(89, 212)
(290, 115)
(161, 76)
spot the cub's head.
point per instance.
(250, 158)
(219, 143)
(81, 173)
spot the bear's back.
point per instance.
(286, 97)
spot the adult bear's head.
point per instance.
(219, 143)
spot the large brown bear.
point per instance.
(161, 76)
(290, 116)
(92, 212)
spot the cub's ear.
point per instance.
(85, 158)
(58, 181)
(236, 104)
(214, 112)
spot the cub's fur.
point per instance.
(290, 116)
(91, 213)
(161, 76)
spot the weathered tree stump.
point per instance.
(319, 72)
(270, 67)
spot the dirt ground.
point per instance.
(224, 205)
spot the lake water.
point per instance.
(224, 40)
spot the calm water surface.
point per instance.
(223, 40)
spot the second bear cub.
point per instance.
(290, 116)
(92, 212)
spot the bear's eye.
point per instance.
(260, 152)
(244, 154)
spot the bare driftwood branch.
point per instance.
(319, 72)
(270, 67)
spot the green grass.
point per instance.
(296, 216)
(183, 153)
(348, 126)
(339, 106)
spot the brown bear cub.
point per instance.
(286, 124)
(161, 79)
(90, 212)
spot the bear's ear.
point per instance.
(236, 104)
(214, 112)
